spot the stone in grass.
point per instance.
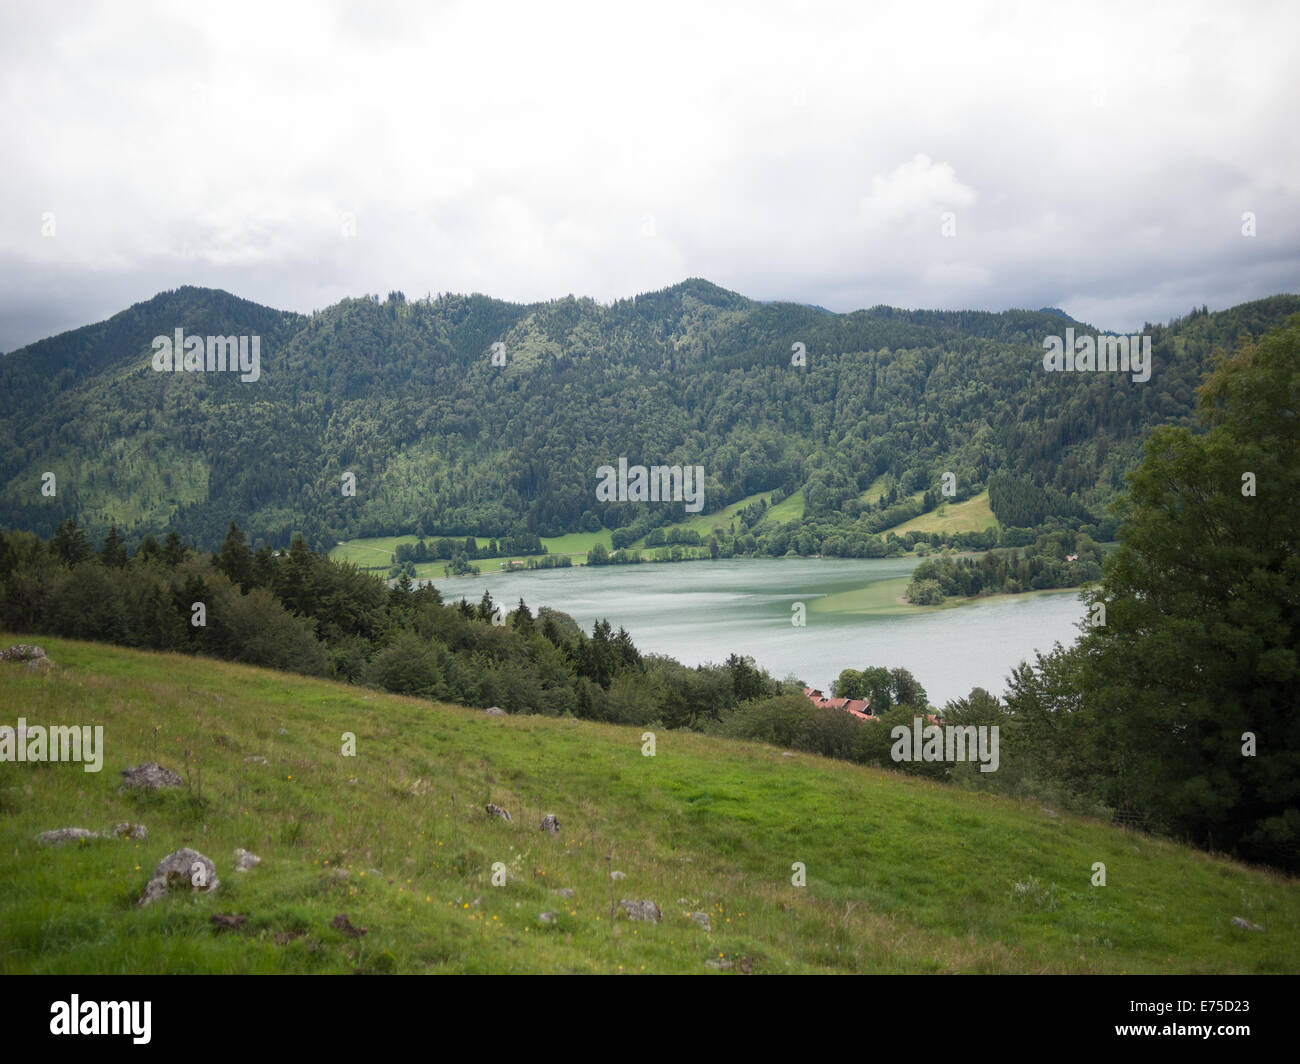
(564, 892)
(496, 711)
(641, 911)
(497, 811)
(702, 919)
(185, 868)
(126, 830)
(245, 860)
(551, 824)
(616, 875)
(22, 652)
(150, 777)
(61, 835)
(1245, 925)
(342, 924)
(255, 759)
(548, 918)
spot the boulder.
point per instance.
(1245, 925)
(23, 652)
(179, 870)
(496, 711)
(150, 777)
(641, 911)
(564, 892)
(702, 919)
(130, 831)
(255, 759)
(547, 918)
(497, 811)
(245, 860)
(550, 824)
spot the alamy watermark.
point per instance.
(1116, 354)
(952, 742)
(57, 743)
(656, 484)
(212, 354)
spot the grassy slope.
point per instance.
(902, 875)
(377, 552)
(972, 515)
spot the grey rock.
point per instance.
(150, 777)
(641, 911)
(254, 759)
(497, 811)
(245, 860)
(548, 918)
(719, 963)
(496, 711)
(61, 835)
(1050, 812)
(616, 875)
(185, 868)
(551, 824)
(130, 831)
(702, 919)
(564, 892)
(22, 652)
(1245, 925)
(787, 754)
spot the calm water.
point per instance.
(700, 612)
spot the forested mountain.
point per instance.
(405, 395)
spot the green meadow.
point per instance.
(901, 874)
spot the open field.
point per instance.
(903, 875)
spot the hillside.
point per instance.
(404, 395)
(902, 875)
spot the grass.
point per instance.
(377, 552)
(972, 515)
(903, 875)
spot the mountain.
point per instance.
(404, 395)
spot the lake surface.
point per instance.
(701, 612)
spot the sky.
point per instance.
(1108, 161)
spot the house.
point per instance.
(858, 707)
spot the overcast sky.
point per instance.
(1094, 158)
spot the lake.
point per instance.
(702, 611)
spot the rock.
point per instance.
(702, 919)
(254, 759)
(641, 911)
(23, 652)
(548, 918)
(130, 831)
(497, 811)
(1245, 925)
(564, 892)
(228, 921)
(342, 924)
(245, 860)
(184, 868)
(787, 754)
(40, 664)
(61, 835)
(150, 777)
(718, 963)
(496, 711)
(550, 824)
(616, 875)
(1050, 812)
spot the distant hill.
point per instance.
(404, 395)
